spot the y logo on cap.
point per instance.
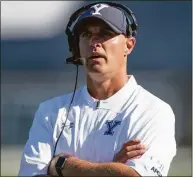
(98, 8)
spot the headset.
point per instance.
(132, 27)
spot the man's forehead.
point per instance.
(93, 24)
(95, 27)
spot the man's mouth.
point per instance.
(95, 57)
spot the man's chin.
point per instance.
(97, 69)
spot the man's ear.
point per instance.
(130, 44)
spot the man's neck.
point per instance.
(105, 89)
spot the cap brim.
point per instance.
(81, 23)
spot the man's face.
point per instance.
(105, 52)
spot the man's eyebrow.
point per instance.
(85, 29)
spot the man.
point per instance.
(114, 127)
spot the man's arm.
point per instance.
(77, 167)
(132, 149)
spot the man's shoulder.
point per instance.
(151, 100)
(148, 107)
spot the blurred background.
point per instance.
(33, 52)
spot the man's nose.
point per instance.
(95, 41)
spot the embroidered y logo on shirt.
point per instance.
(110, 126)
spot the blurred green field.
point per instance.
(10, 157)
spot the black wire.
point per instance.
(63, 125)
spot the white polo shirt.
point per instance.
(96, 130)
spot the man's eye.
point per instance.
(108, 33)
(85, 34)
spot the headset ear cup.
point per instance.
(134, 25)
(70, 42)
(129, 30)
(75, 49)
(75, 46)
(132, 22)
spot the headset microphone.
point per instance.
(75, 61)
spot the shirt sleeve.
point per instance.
(39, 147)
(158, 135)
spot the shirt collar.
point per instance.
(116, 101)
